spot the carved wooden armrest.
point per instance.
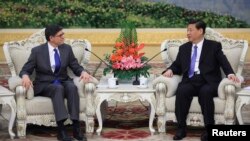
(225, 87)
(87, 90)
(227, 91)
(20, 101)
(15, 84)
(165, 87)
(81, 86)
(170, 83)
(16, 81)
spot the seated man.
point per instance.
(199, 61)
(50, 61)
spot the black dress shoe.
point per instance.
(78, 135)
(204, 136)
(180, 134)
(62, 136)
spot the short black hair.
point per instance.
(52, 30)
(199, 24)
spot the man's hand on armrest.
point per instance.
(234, 78)
(168, 73)
(26, 82)
(85, 77)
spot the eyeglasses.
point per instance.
(60, 35)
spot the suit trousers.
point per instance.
(187, 89)
(57, 93)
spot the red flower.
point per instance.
(119, 44)
(120, 51)
(141, 46)
(131, 51)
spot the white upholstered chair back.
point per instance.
(17, 52)
(235, 50)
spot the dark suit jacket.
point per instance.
(211, 59)
(40, 61)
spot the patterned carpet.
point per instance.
(123, 122)
(126, 122)
(130, 121)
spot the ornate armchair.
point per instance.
(235, 50)
(38, 110)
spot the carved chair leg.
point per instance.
(230, 122)
(161, 123)
(21, 129)
(90, 125)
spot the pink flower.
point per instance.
(116, 65)
(128, 63)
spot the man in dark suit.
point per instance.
(199, 61)
(50, 61)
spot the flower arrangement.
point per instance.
(126, 62)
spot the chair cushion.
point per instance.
(195, 106)
(43, 105)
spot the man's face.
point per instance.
(58, 39)
(193, 34)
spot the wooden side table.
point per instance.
(7, 97)
(124, 93)
(243, 99)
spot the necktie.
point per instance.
(57, 61)
(192, 64)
